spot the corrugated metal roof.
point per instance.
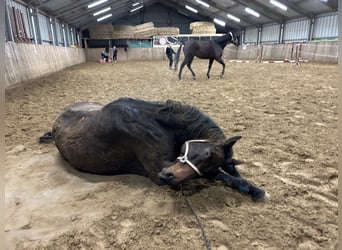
(77, 13)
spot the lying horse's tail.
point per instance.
(178, 54)
(46, 138)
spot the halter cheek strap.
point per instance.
(184, 158)
(232, 37)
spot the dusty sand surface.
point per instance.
(286, 114)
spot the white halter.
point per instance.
(184, 158)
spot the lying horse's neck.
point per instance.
(189, 122)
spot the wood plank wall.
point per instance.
(28, 61)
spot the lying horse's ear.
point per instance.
(228, 145)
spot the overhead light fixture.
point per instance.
(236, 19)
(96, 3)
(252, 12)
(102, 11)
(137, 8)
(220, 22)
(104, 17)
(278, 4)
(135, 4)
(191, 9)
(203, 3)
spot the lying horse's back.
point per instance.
(83, 139)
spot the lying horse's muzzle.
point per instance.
(166, 178)
(176, 174)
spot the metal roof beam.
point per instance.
(74, 17)
(295, 8)
(218, 6)
(67, 9)
(262, 9)
(333, 4)
(205, 13)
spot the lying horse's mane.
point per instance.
(191, 120)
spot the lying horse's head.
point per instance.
(200, 158)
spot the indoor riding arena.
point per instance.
(278, 92)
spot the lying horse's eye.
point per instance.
(208, 154)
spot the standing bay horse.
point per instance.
(168, 142)
(211, 50)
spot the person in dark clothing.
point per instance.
(104, 55)
(115, 54)
(169, 52)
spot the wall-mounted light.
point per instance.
(191, 9)
(102, 11)
(203, 3)
(278, 4)
(104, 17)
(252, 12)
(219, 22)
(96, 3)
(234, 18)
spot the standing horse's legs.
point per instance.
(181, 69)
(223, 65)
(243, 186)
(209, 67)
(189, 67)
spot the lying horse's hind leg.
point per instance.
(243, 186)
(223, 65)
(209, 67)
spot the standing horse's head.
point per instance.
(233, 38)
(199, 158)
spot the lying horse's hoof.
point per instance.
(260, 196)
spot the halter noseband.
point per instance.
(184, 158)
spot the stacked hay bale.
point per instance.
(166, 31)
(122, 32)
(101, 31)
(202, 28)
(144, 31)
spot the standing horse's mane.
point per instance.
(223, 40)
(189, 118)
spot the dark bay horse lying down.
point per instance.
(211, 50)
(168, 142)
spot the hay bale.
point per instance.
(144, 31)
(202, 28)
(143, 26)
(166, 31)
(123, 32)
(101, 31)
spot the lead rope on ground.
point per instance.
(198, 219)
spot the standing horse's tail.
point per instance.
(178, 54)
(46, 138)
